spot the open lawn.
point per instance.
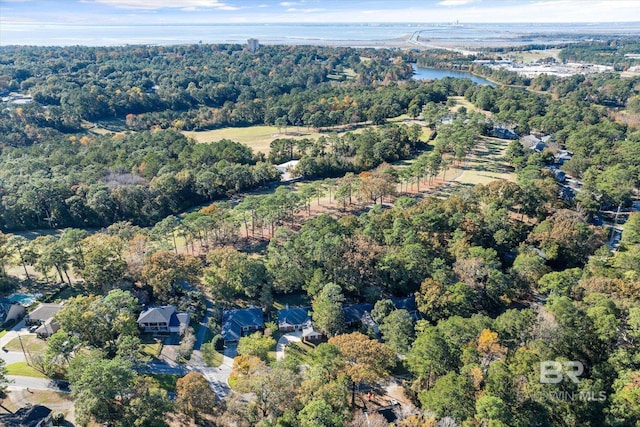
(534, 55)
(486, 163)
(31, 343)
(461, 101)
(21, 368)
(151, 348)
(301, 351)
(211, 356)
(294, 300)
(257, 137)
(166, 381)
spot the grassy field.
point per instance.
(256, 137)
(534, 55)
(211, 356)
(151, 349)
(461, 101)
(21, 368)
(166, 381)
(294, 300)
(31, 343)
(300, 351)
(487, 163)
(259, 137)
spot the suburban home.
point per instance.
(533, 143)
(47, 329)
(241, 322)
(43, 313)
(309, 333)
(29, 416)
(407, 303)
(563, 156)
(293, 319)
(43, 316)
(353, 314)
(504, 133)
(163, 319)
(10, 310)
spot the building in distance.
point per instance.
(253, 45)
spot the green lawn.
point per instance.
(31, 343)
(211, 356)
(166, 381)
(300, 351)
(294, 300)
(22, 369)
(151, 349)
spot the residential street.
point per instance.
(217, 377)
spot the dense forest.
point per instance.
(506, 276)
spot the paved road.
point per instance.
(204, 324)
(217, 377)
(23, 383)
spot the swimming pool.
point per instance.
(24, 299)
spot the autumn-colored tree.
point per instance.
(244, 366)
(365, 360)
(489, 347)
(194, 395)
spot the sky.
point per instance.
(160, 12)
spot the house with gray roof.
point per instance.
(10, 310)
(28, 416)
(293, 319)
(310, 334)
(241, 322)
(407, 303)
(43, 313)
(354, 314)
(533, 143)
(163, 319)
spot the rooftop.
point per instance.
(234, 320)
(45, 311)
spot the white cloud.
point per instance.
(288, 3)
(312, 10)
(455, 2)
(160, 4)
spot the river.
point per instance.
(421, 73)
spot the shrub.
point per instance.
(218, 342)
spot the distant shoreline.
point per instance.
(464, 36)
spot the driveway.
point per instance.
(284, 341)
(217, 377)
(22, 383)
(10, 357)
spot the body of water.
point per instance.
(421, 73)
(24, 299)
(64, 34)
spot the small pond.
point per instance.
(423, 73)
